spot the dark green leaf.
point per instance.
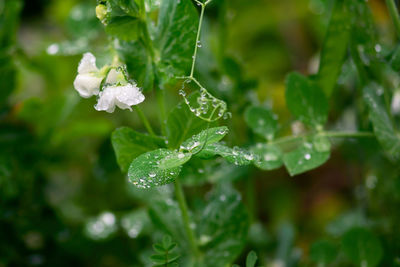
(304, 158)
(262, 121)
(305, 100)
(144, 171)
(335, 46)
(138, 62)
(206, 137)
(124, 27)
(176, 36)
(384, 129)
(362, 247)
(129, 144)
(251, 259)
(223, 227)
(323, 252)
(268, 157)
(183, 124)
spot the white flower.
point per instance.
(396, 103)
(122, 96)
(89, 78)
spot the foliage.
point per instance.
(198, 173)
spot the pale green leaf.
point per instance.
(144, 171)
(206, 137)
(267, 157)
(262, 121)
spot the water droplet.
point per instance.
(307, 156)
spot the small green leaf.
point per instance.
(334, 47)
(384, 129)
(206, 137)
(251, 259)
(183, 124)
(323, 252)
(236, 155)
(262, 121)
(362, 247)
(305, 100)
(268, 157)
(304, 158)
(128, 144)
(174, 159)
(321, 143)
(223, 226)
(144, 171)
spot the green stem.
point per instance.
(203, 6)
(394, 14)
(144, 120)
(342, 134)
(161, 109)
(185, 217)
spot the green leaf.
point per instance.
(251, 259)
(182, 123)
(223, 227)
(129, 144)
(268, 157)
(384, 129)
(262, 121)
(323, 252)
(123, 19)
(176, 36)
(304, 158)
(136, 222)
(236, 155)
(206, 137)
(305, 100)
(138, 62)
(9, 20)
(335, 46)
(174, 159)
(362, 247)
(124, 27)
(144, 171)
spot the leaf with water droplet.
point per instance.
(145, 172)
(262, 121)
(268, 157)
(236, 155)
(174, 159)
(384, 128)
(305, 100)
(321, 143)
(205, 137)
(304, 158)
(128, 144)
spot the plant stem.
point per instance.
(203, 6)
(343, 134)
(161, 110)
(394, 14)
(185, 217)
(144, 120)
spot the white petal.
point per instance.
(106, 100)
(114, 76)
(87, 64)
(396, 103)
(87, 85)
(122, 96)
(129, 95)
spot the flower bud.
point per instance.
(101, 12)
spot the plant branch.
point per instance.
(144, 120)
(340, 134)
(185, 217)
(203, 7)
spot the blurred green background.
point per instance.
(63, 199)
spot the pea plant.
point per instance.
(156, 46)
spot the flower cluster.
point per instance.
(116, 91)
